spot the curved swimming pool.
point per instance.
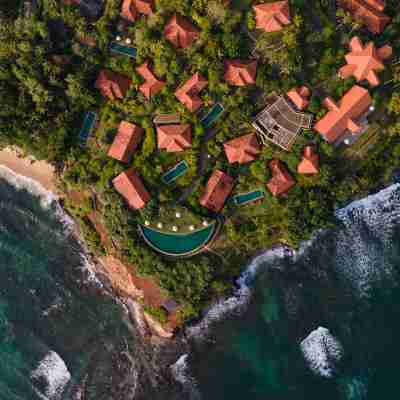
(178, 244)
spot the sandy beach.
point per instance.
(40, 171)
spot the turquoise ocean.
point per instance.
(323, 321)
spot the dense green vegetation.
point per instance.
(48, 65)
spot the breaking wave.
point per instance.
(240, 300)
(360, 218)
(322, 352)
(180, 372)
(49, 201)
(50, 377)
(368, 228)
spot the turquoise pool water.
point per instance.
(245, 198)
(215, 112)
(175, 244)
(87, 126)
(174, 173)
(124, 50)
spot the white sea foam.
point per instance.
(33, 187)
(368, 228)
(51, 376)
(363, 268)
(180, 372)
(239, 301)
(322, 352)
(49, 201)
(372, 202)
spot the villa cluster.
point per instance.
(346, 120)
(280, 122)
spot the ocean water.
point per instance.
(58, 334)
(323, 322)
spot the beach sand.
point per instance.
(40, 171)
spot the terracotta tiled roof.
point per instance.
(152, 85)
(310, 163)
(300, 97)
(180, 32)
(174, 138)
(240, 73)
(145, 7)
(272, 17)
(363, 62)
(129, 185)
(131, 8)
(344, 115)
(188, 94)
(112, 84)
(217, 190)
(281, 181)
(125, 142)
(242, 149)
(370, 12)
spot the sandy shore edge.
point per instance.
(40, 171)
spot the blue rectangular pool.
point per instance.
(122, 49)
(245, 198)
(174, 173)
(87, 127)
(216, 111)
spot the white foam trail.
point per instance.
(374, 201)
(369, 225)
(49, 201)
(357, 269)
(52, 376)
(239, 301)
(47, 198)
(322, 352)
(33, 187)
(180, 372)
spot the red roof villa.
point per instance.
(129, 185)
(188, 94)
(112, 85)
(344, 117)
(272, 17)
(242, 149)
(152, 85)
(125, 142)
(363, 62)
(180, 32)
(300, 97)
(131, 8)
(370, 12)
(174, 138)
(240, 73)
(309, 165)
(218, 188)
(281, 181)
